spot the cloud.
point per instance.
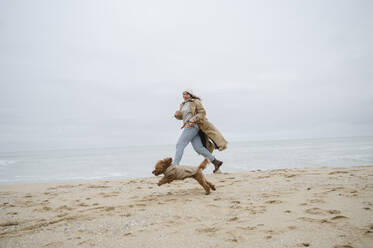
(91, 74)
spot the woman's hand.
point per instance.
(177, 113)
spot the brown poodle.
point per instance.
(175, 172)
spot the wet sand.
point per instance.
(322, 207)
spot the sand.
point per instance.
(322, 207)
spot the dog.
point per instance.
(175, 172)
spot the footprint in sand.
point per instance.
(30, 203)
(249, 228)
(9, 223)
(315, 211)
(235, 240)
(337, 172)
(83, 242)
(12, 213)
(316, 201)
(128, 234)
(106, 195)
(64, 207)
(97, 186)
(303, 245)
(335, 189)
(61, 215)
(65, 186)
(290, 175)
(107, 209)
(268, 195)
(256, 209)
(307, 219)
(212, 205)
(235, 206)
(343, 246)
(233, 219)
(43, 209)
(207, 230)
(370, 230)
(332, 211)
(339, 217)
(273, 202)
(54, 244)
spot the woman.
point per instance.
(197, 130)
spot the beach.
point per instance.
(303, 207)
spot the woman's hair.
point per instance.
(194, 97)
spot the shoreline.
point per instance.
(148, 177)
(259, 208)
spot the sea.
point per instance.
(138, 161)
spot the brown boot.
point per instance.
(217, 164)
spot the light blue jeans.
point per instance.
(190, 134)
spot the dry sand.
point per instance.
(323, 207)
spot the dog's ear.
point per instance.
(167, 161)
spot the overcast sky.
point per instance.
(76, 74)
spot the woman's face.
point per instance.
(186, 96)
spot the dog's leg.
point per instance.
(202, 181)
(163, 181)
(211, 185)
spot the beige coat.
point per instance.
(213, 138)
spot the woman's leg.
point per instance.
(186, 136)
(199, 148)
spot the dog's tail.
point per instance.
(204, 163)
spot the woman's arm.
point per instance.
(200, 113)
(178, 115)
